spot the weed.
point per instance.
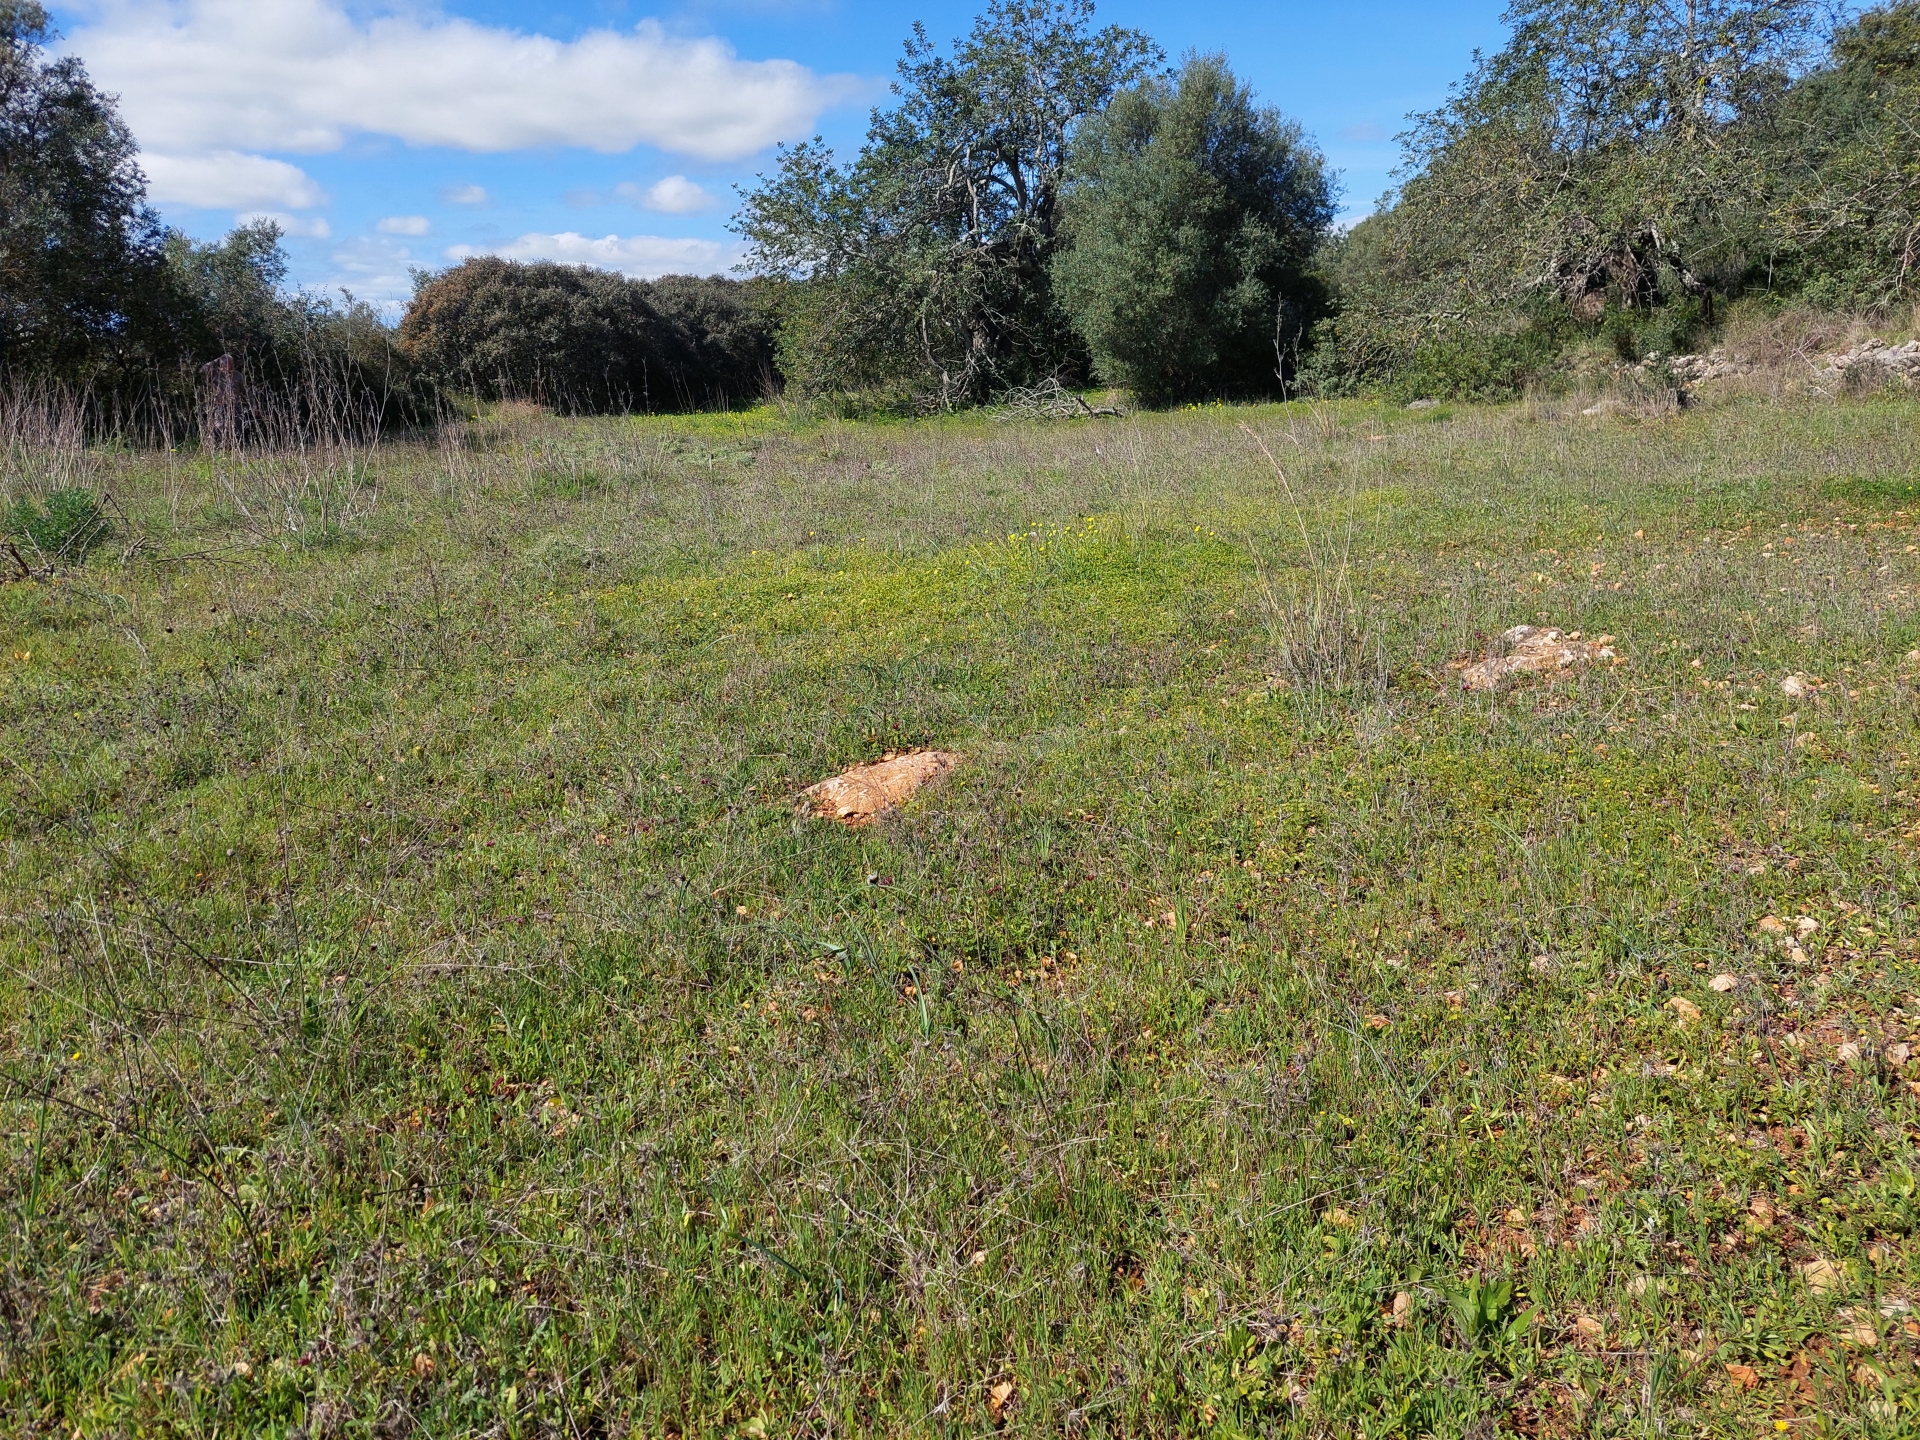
(62, 528)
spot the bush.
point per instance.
(586, 340)
(1476, 367)
(64, 528)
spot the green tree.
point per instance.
(1610, 155)
(1189, 225)
(926, 260)
(235, 291)
(1848, 167)
(83, 279)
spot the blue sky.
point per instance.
(393, 134)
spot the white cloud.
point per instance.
(404, 225)
(465, 195)
(228, 180)
(375, 270)
(675, 195)
(305, 76)
(307, 228)
(642, 256)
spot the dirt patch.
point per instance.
(858, 796)
(1534, 650)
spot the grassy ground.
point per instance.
(422, 1012)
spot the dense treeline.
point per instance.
(1621, 170)
(584, 339)
(1051, 202)
(98, 295)
(1047, 203)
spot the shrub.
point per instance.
(64, 528)
(586, 340)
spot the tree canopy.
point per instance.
(1189, 223)
(82, 268)
(926, 258)
(582, 339)
(1632, 163)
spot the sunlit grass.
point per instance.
(423, 1008)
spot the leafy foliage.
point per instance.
(1609, 157)
(94, 291)
(1851, 205)
(1190, 223)
(64, 527)
(927, 257)
(82, 274)
(582, 339)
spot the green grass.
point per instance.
(422, 1011)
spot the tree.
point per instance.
(235, 290)
(1189, 224)
(927, 257)
(83, 280)
(1849, 167)
(1610, 155)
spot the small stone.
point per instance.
(857, 796)
(1589, 1328)
(1823, 1277)
(1794, 687)
(1898, 1052)
(1724, 984)
(1848, 1052)
(1861, 1335)
(1773, 925)
(1685, 1009)
(1805, 926)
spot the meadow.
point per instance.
(423, 1010)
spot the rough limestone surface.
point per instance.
(861, 795)
(1901, 362)
(1534, 650)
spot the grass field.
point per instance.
(422, 1011)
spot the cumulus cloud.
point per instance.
(306, 227)
(228, 180)
(404, 225)
(305, 76)
(642, 256)
(374, 270)
(675, 195)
